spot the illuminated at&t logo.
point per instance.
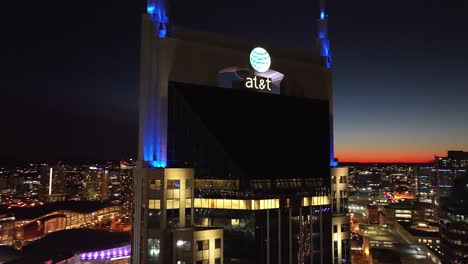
(260, 59)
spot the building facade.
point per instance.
(220, 176)
(340, 219)
(453, 213)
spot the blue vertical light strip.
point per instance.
(157, 12)
(322, 35)
(153, 147)
(325, 53)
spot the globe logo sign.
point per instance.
(260, 59)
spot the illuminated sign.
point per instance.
(258, 83)
(260, 59)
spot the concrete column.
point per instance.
(290, 236)
(279, 236)
(311, 236)
(268, 235)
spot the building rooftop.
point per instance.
(65, 244)
(8, 254)
(421, 229)
(23, 213)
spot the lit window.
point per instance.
(173, 184)
(154, 204)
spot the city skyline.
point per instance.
(78, 96)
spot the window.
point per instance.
(343, 194)
(217, 260)
(335, 252)
(203, 245)
(344, 227)
(184, 245)
(335, 228)
(154, 204)
(345, 251)
(155, 184)
(173, 184)
(188, 184)
(153, 250)
(343, 179)
(218, 243)
(333, 180)
(335, 210)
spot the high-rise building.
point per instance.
(453, 212)
(340, 218)
(95, 184)
(234, 150)
(53, 183)
(425, 184)
(449, 168)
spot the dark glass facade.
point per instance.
(276, 147)
(245, 135)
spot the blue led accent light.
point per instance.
(157, 164)
(334, 164)
(150, 9)
(322, 14)
(158, 15)
(323, 38)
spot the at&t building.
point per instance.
(235, 150)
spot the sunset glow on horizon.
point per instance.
(385, 157)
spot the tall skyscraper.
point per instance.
(53, 183)
(234, 149)
(453, 207)
(95, 184)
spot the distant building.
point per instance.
(426, 184)
(407, 211)
(79, 246)
(447, 170)
(53, 182)
(421, 233)
(373, 214)
(20, 226)
(95, 184)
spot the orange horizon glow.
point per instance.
(370, 157)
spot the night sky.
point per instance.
(70, 87)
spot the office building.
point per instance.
(221, 176)
(453, 214)
(449, 168)
(53, 183)
(95, 184)
(340, 216)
